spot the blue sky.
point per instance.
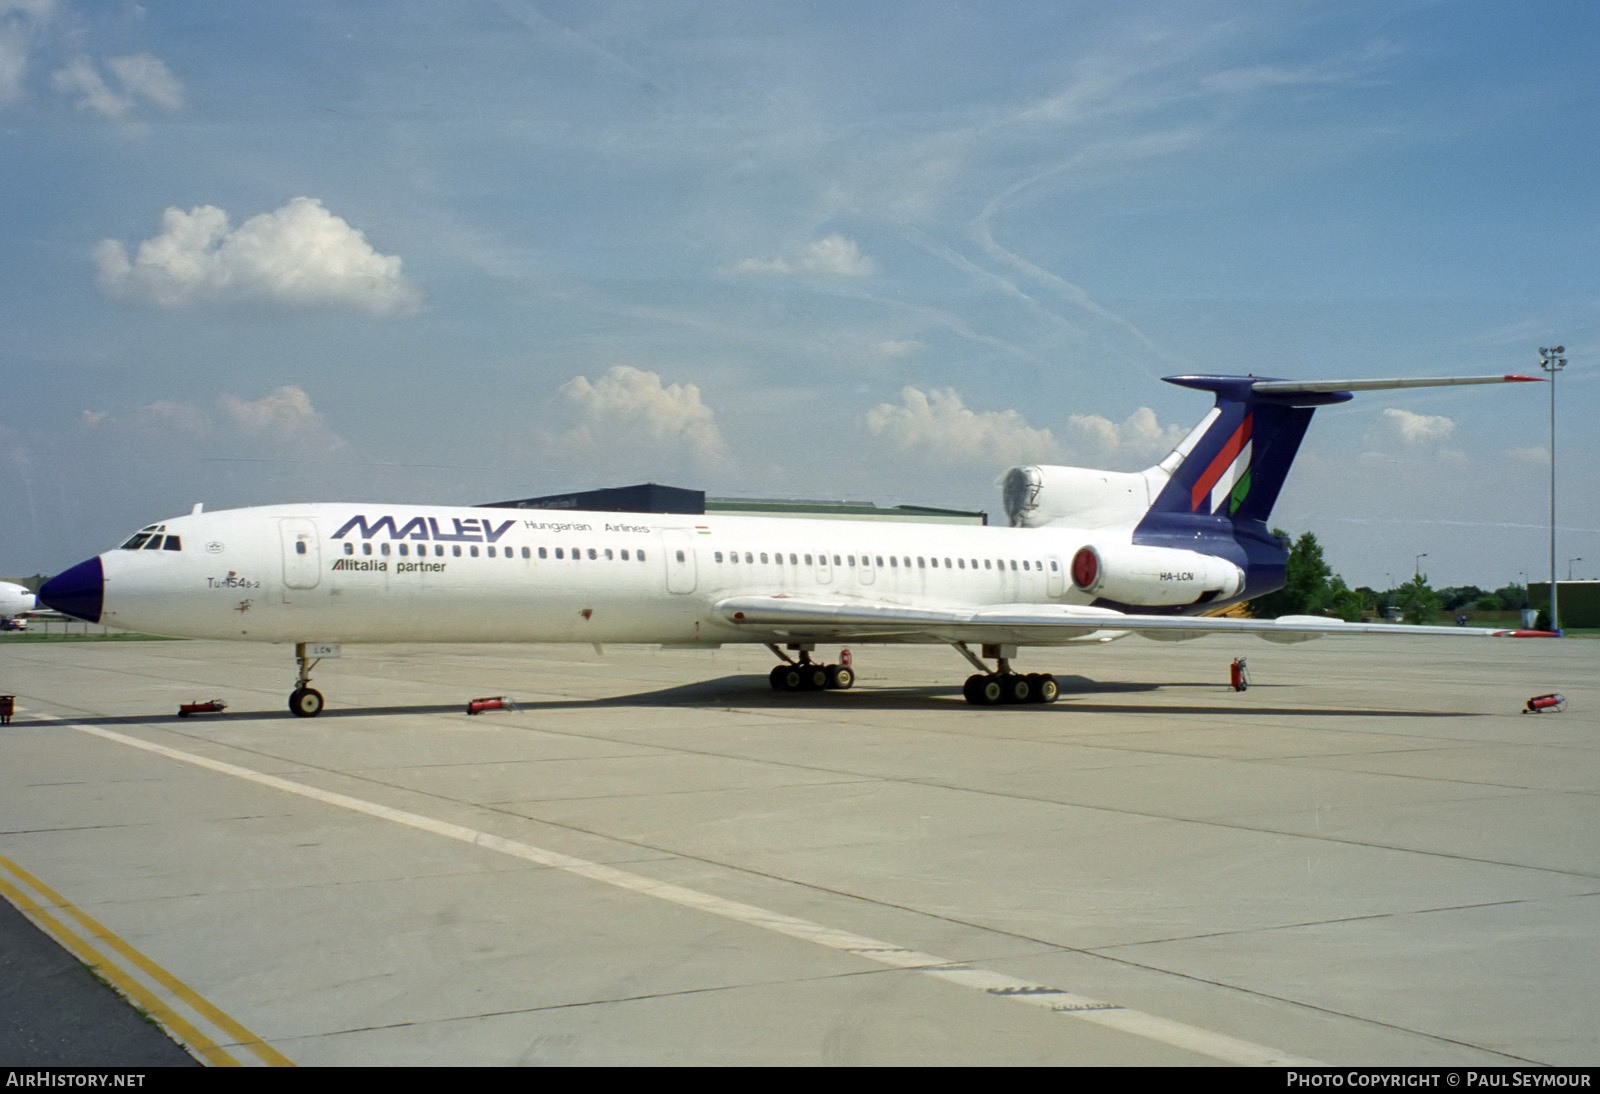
(461, 252)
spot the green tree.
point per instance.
(1306, 588)
(1513, 596)
(1418, 602)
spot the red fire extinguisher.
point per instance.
(1239, 674)
(1545, 704)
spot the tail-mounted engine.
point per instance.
(1154, 576)
(1044, 494)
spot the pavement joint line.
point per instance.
(137, 977)
(1151, 1027)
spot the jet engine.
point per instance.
(1046, 494)
(1154, 576)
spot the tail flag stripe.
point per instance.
(1224, 461)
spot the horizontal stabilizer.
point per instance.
(1294, 387)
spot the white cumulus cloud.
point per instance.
(1141, 435)
(298, 255)
(283, 415)
(1409, 428)
(831, 256)
(938, 427)
(630, 409)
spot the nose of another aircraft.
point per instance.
(78, 592)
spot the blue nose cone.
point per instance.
(78, 592)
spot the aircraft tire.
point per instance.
(815, 678)
(305, 702)
(775, 677)
(1047, 690)
(992, 692)
(841, 677)
(1018, 689)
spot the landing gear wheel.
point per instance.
(841, 677)
(992, 692)
(1047, 690)
(1019, 689)
(776, 677)
(305, 702)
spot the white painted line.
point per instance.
(1203, 1042)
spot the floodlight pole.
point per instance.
(1551, 361)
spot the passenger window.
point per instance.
(456, 550)
(893, 561)
(299, 546)
(641, 556)
(624, 554)
(1024, 564)
(529, 554)
(490, 551)
(609, 556)
(763, 558)
(793, 560)
(349, 548)
(558, 552)
(592, 555)
(680, 556)
(749, 559)
(808, 560)
(404, 550)
(474, 551)
(366, 548)
(1013, 564)
(836, 560)
(383, 548)
(851, 559)
(922, 563)
(542, 553)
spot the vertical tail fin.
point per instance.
(1237, 464)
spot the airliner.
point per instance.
(14, 600)
(1087, 556)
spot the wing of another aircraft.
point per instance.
(1039, 624)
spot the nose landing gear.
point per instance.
(304, 701)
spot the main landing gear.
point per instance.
(804, 675)
(304, 701)
(989, 689)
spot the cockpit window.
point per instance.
(151, 539)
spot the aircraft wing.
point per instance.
(1037, 624)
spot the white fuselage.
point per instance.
(383, 573)
(15, 599)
